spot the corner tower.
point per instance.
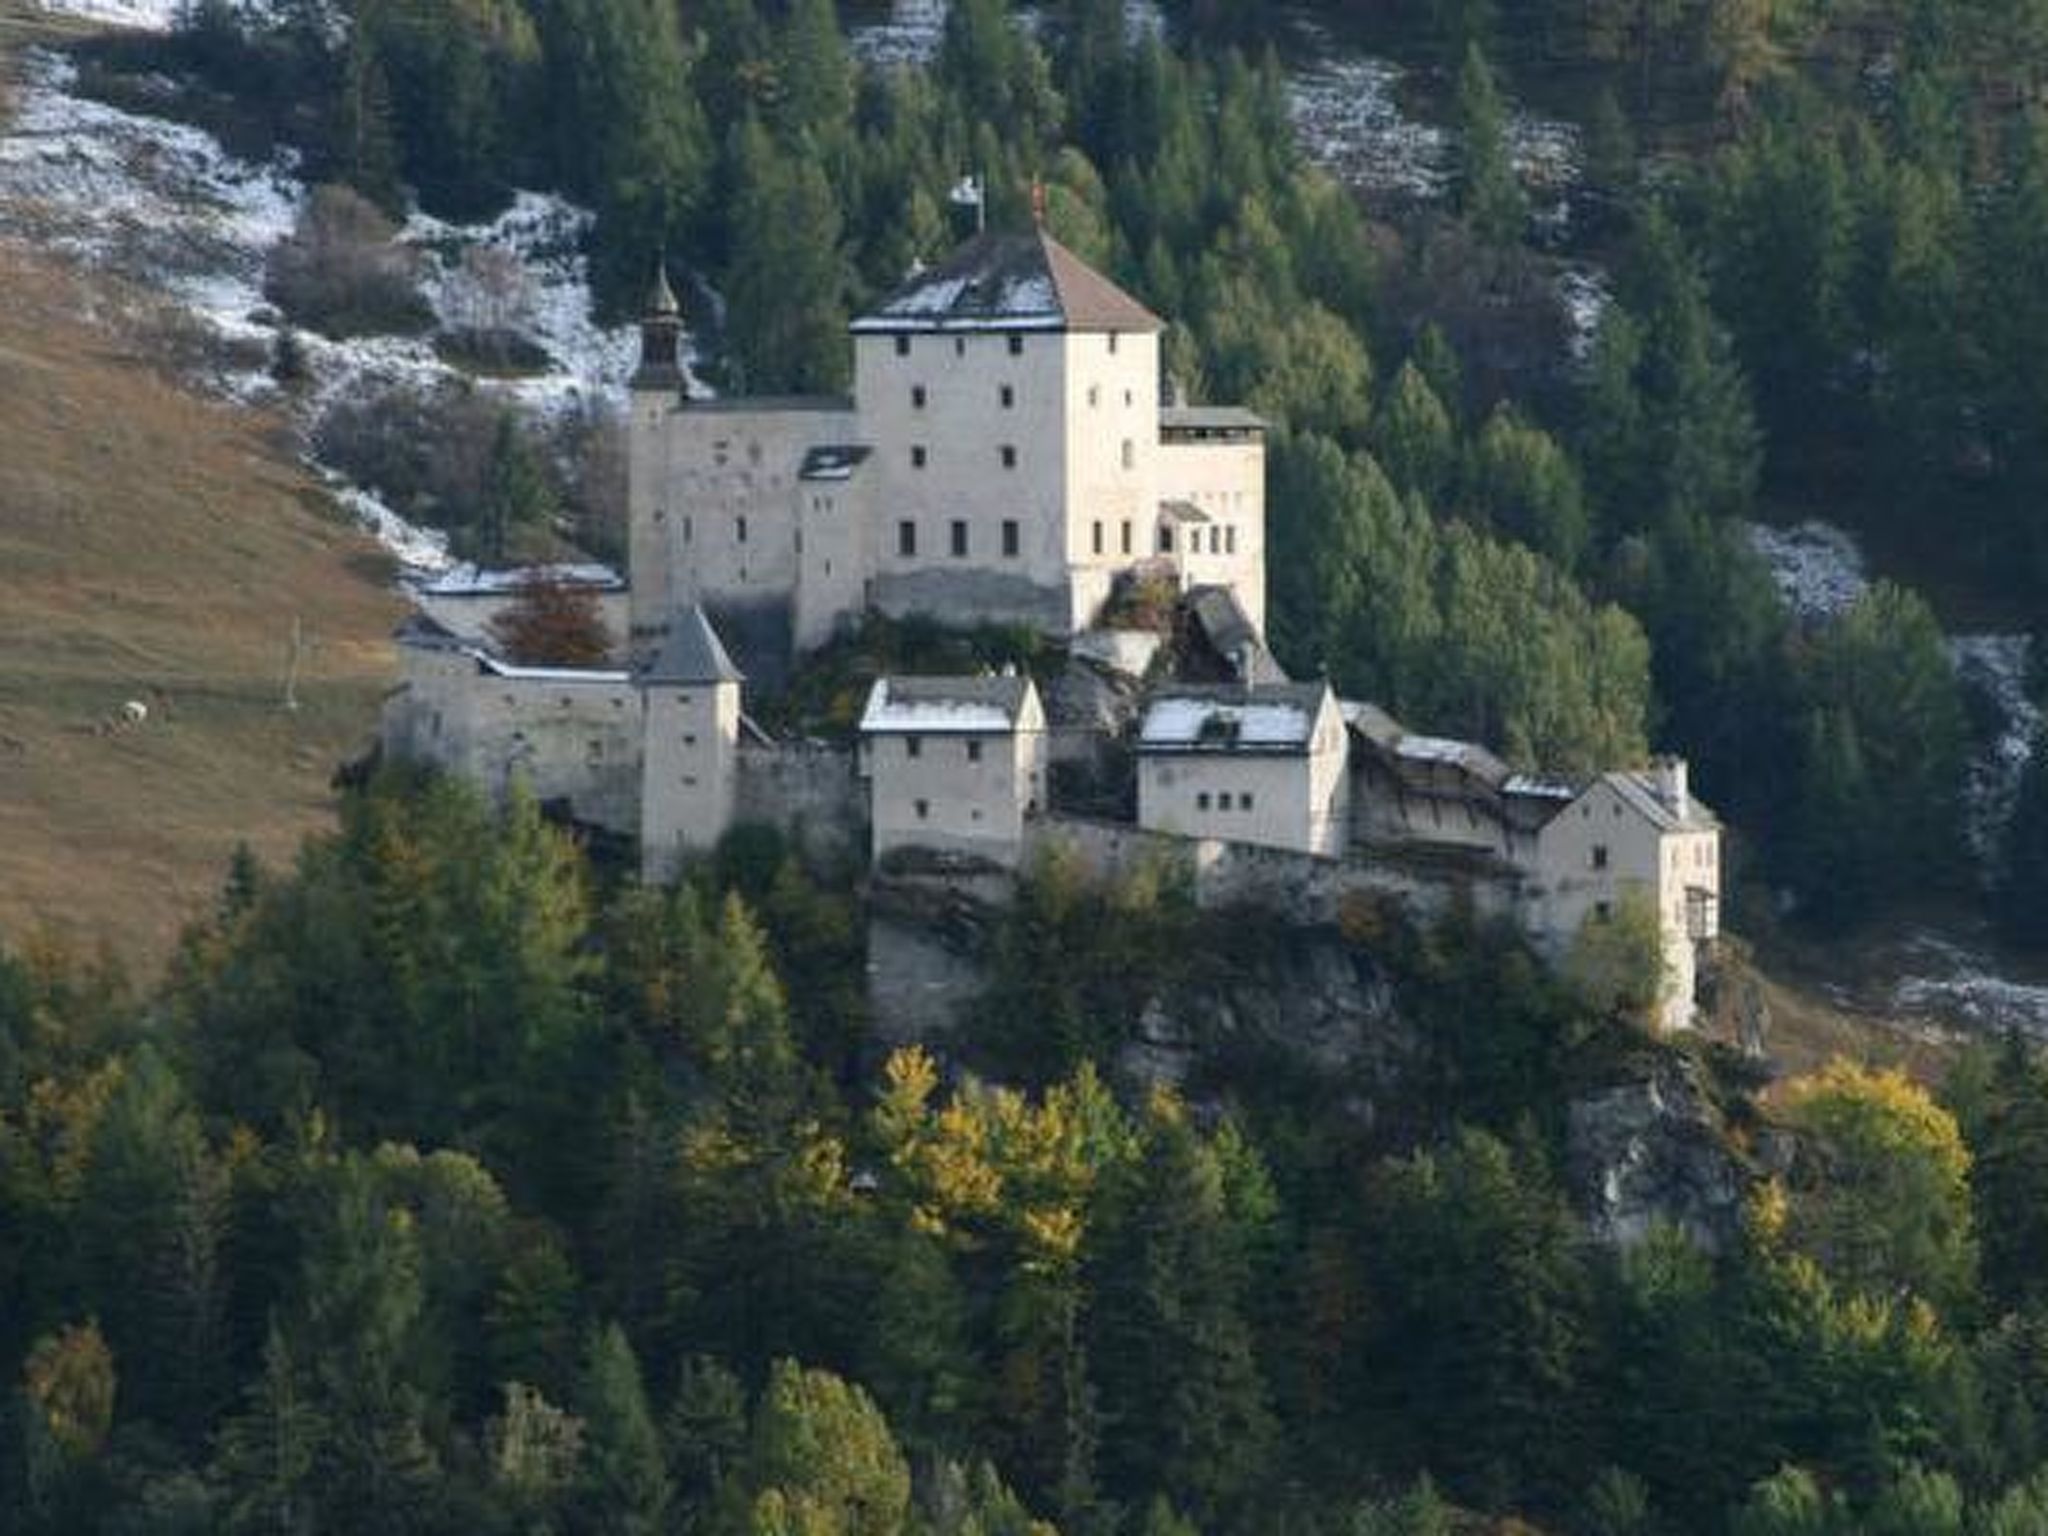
(690, 694)
(658, 390)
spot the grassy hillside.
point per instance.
(157, 547)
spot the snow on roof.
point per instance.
(506, 669)
(1266, 719)
(945, 705)
(466, 580)
(1233, 419)
(1009, 282)
(1540, 787)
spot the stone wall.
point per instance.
(810, 790)
(1298, 887)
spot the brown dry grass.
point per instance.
(157, 546)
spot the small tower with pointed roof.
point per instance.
(661, 337)
(690, 695)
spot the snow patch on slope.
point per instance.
(163, 205)
(1819, 568)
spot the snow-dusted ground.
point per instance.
(1818, 567)
(145, 15)
(1949, 982)
(1997, 666)
(164, 205)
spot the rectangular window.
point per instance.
(1244, 801)
(906, 538)
(903, 346)
(974, 751)
(917, 397)
(917, 456)
(1010, 537)
(1130, 453)
(1166, 540)
(1599, 856)
(1009, 456)
(1008, 396)
(958, 533)
(1124, 539)
(1016, 346)
(1095, 537)
(1230, 540)
(913, 746)
(739, 529)
(924, 810)
(1202, 801)
(1223, 801)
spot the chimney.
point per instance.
(1669, 776)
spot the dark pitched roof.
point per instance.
(832, 461)
(691, 653)
(1232, 635)
(1638, 790)
(1027, 282)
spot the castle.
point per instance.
(1007, 458)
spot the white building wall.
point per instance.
(943, 400)
(833, 519)
(957, 793)
(1601, 850)
(688, 788)
(1112, 468)
(714, 500)
(567, 736)
(1227, 481)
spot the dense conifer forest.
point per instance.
(452, 1182)
(449, 1181)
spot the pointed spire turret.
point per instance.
(661, 334)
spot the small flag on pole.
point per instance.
(967, 193)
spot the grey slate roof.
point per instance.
(1638, 789)
(691, 653)
(424, 632)
(1231, 633)
(1010, 282)
(1197, 419)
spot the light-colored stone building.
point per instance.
(1263, 763)
(1005, 458)
(690, 746)
(954, 764)
(1633, 835)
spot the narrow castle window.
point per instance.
(1125, 537)
(958, 533)
(1016, 346)
(974, 751)
(917, 456)
(1112, 343)
(1095, 537)
(1166, 540)
(1202, 801)
(739, 529)
(1010, 537)
(1230, 540)
(1008, 395)
(1094, 395)
(906, 538)
(1599, 856)
(1009, 456)
(924, 810)
(959, 346)
(1223, 801)
(1130, 453)
(913, 746)
(1244, 801)
(686, 530)
(917, 397)
(903, 346)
